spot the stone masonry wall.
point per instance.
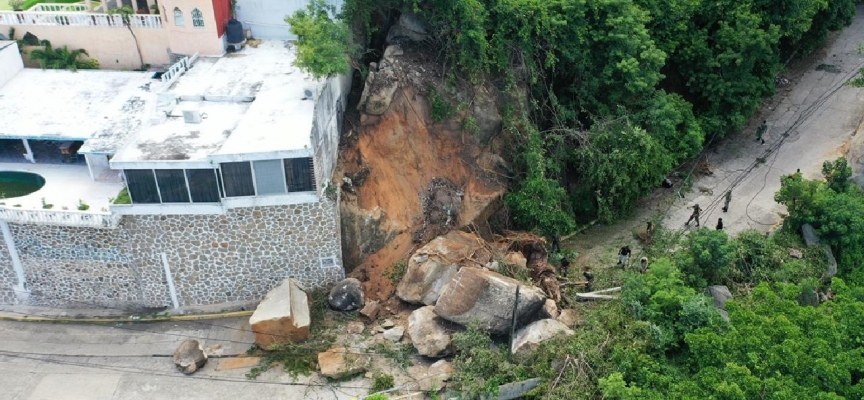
(7, 277)
(213, 258)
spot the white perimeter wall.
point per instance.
(266, 18)
(10, 61)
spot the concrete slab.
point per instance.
(64, 186)
(99, 386)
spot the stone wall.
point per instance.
(7, 277)
(239, 255)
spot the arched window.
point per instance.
(178, 17)
(197, 18)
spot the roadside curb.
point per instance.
(131, 318)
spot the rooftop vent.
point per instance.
(192, 116)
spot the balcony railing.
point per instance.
(43, 18)
(58, 217)
(59, 7)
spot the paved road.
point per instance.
(40, 361)
(819, 118)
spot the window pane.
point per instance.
(142, 186)
(268, 177)
(178, 17)
(299, 174)
(203, 186)
(172, 185)
(197, 18)
(238, 179)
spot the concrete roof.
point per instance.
(254, 101)
(55, 104)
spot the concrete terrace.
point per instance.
(106, 106)
(64, 186)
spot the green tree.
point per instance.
(837, 174)
(706, 259)
(324, 44)
(49, 57)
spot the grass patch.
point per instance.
(398, 352)
(122, 197)
(381, 381)
(396, 272)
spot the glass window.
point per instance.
(197, 18)
(203, 185)
(269, 178)
(142, 186)
(172, 185)
(178, 17)
(237, 179)
(299, 174)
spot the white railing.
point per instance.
(59, 7)
(77, 19)
(63, 218)
(168, 77)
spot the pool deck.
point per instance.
(64, 186)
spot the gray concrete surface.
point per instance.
(819, 118)
(42, 361)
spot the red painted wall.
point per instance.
(222, 11)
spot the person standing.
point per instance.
(565, 263)
(760, 131)
(727, 201)
(696, 212)
(643, 265)
(589, 278)
(623, 255)
(719, 224)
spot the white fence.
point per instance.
(179, 68)
(77, 19)
(59, 7)
(62, 218)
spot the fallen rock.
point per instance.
(434, 265)
(371, 310)
(720, 294)
(795, 253)
(408, 28)
(549, 310)
(516, 258)
(809, 234)
(189, 357)
(436, 377)
(429, 333)
(355, 327)
(338, 363)
(394, 334)
(570, 317)
(387, 324)
(282, 317)
(538, 332)
(476, 294)
(347, 295)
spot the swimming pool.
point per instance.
(17, 183)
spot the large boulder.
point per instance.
(190, 357)
(809, 234)
(347, 295)
(434, 265)
(487, 297)
(394, 334)
(338, 362)
(282, 317)
(538, 332)
(429, 333)
(549, 310)
(720, 294)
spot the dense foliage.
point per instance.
(638, 85)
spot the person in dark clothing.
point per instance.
(696, 212)
(564, 265)
(760, 131)
(727, 201)
(650, 229)
(643, 265)
(719, 224)
(556, 244)
(623, 254)
(589, 278)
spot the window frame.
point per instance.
(198, 20)
(178, 13)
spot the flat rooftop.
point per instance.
(252, 101)
(102, 107)
(65, 186)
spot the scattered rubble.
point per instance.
(190, 357)
(282, 317)
(355, 327)
(338, 362)
(371, 309)
(570, 317)
(549, 310)
(346, 295)
(720, 294)
(394, 334)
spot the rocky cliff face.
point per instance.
(406, 178)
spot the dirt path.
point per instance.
(813, 119)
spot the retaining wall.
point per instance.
(239, 255)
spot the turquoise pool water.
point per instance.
(17, 184)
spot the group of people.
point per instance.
(624, 255)
(697, 212)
